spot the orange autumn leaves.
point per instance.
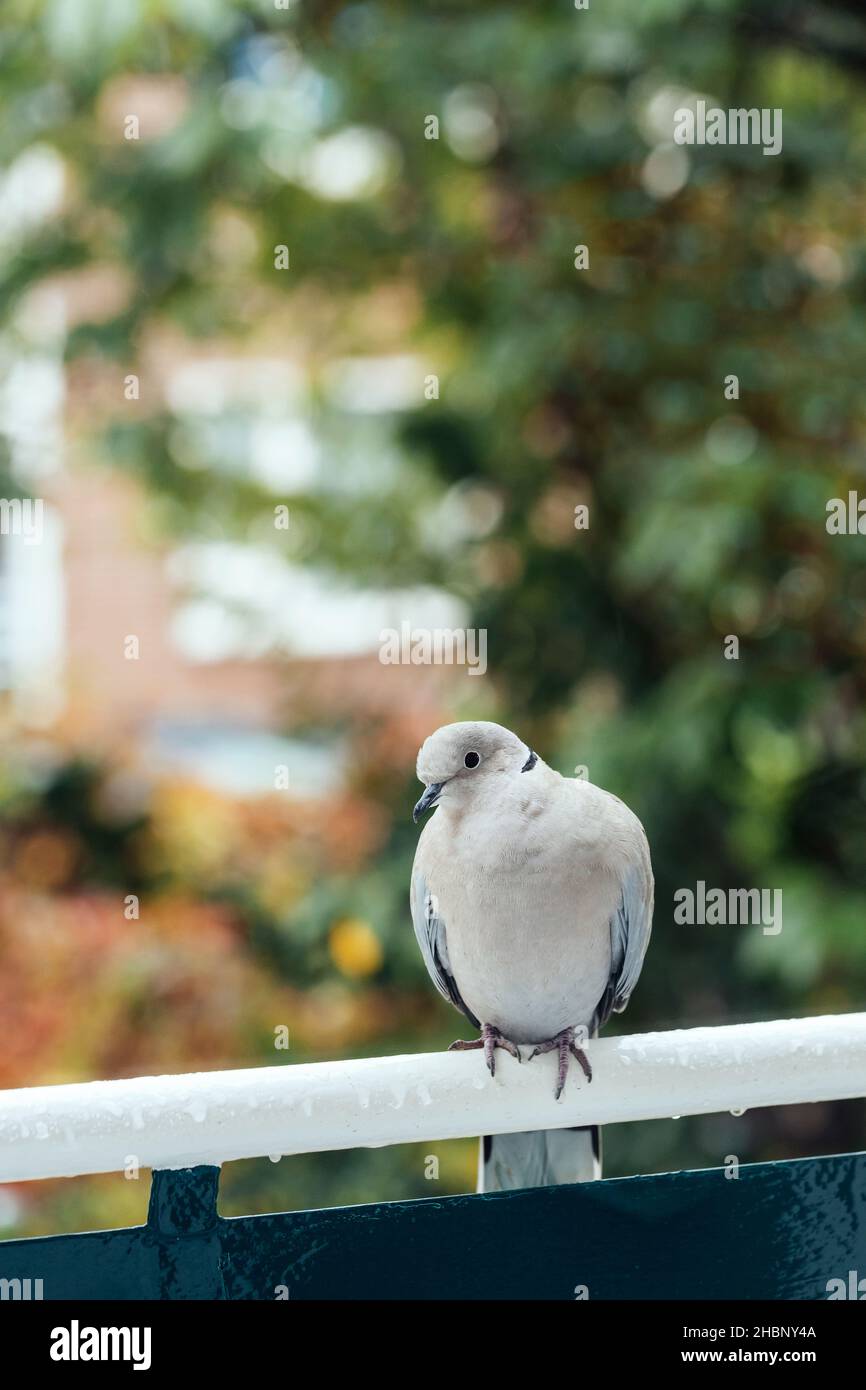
(162, 973)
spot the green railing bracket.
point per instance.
(183, 1223)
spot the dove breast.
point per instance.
(527, 887)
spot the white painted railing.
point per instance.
(212, 1117)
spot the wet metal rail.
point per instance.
(209, 1118)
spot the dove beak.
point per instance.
(430, 797)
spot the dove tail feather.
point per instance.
(541, 1159)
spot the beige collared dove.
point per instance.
(532, 900)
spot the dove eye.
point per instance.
(471, 760)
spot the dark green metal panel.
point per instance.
(780, 1230)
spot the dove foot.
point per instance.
(566, 1043)
(490, 1039)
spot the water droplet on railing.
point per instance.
(275, 1158)
(737, 1112)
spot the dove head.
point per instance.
(462, 762)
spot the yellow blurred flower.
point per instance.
(355, 948)
(281, 884)
(193, 832)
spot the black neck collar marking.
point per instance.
(530, 762)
